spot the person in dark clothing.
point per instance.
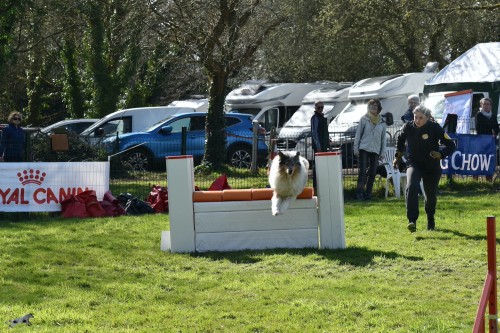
(413, 102)
(421, 139)
(319, 133)
(12, 140)
(486, 122)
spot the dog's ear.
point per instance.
(298, 153)
(280, 153)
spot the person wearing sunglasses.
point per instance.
(12, 140)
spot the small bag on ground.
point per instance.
(134, 205)
(158, 198)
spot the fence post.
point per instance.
(492, 269)
(183, 140)
(255, 143)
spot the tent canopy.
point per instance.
(479, 64)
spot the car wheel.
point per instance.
(240, 157)
(138, 159)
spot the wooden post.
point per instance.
(330, 200)
(181, 185)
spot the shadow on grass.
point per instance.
(355, 256)
(469, 237)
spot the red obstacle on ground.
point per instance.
(489, 295)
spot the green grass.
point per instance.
(109, 275)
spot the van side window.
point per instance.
(179, 124)
(197, 123)
(127, 125)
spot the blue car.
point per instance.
(144, 150)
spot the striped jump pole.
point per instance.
(489, 294)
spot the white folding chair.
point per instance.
(392, 173)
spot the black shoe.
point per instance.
(431, 224)
(412, 226)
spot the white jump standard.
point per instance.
(233, 221)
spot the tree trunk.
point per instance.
(215, 128)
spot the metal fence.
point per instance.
(137, 168)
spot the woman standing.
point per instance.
(421, 139)
(369, 146)
(12, 141)
(486, 122)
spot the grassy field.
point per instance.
(109, 275)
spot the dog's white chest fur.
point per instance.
(287, 177)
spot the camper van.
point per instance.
(392, 91)
(139, 119)
(272, 104)
(299, 125)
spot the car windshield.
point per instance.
(302, 117)
(352, 113)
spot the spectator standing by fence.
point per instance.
(486, 122)
(369, 146)
(413, 102)
(12, 140)
(319, 133)
(421, 139)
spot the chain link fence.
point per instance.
(137, 169)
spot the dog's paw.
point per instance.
(276, 212)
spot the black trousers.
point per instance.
(430, 179)
(367, 164)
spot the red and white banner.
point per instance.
(41, 186)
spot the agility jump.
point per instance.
(232, 220)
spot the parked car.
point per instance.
(139, 119)
(144, 150)
(70, 125)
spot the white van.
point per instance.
(139, 119)
(272, 104)
(392, 91)
(299, 125)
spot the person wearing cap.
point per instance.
(12, 140)
(413, 102)
(421, 139)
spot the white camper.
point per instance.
(299, 125)
(272, 104)
(139, 119)
(392, 91)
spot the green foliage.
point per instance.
(72, 86)
(109, 275)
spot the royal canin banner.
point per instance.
(475, 155)
(41, 186)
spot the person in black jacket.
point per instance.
(319, 133)
(486, 122)
(12, 140)
(413, 102)
(421, 139)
